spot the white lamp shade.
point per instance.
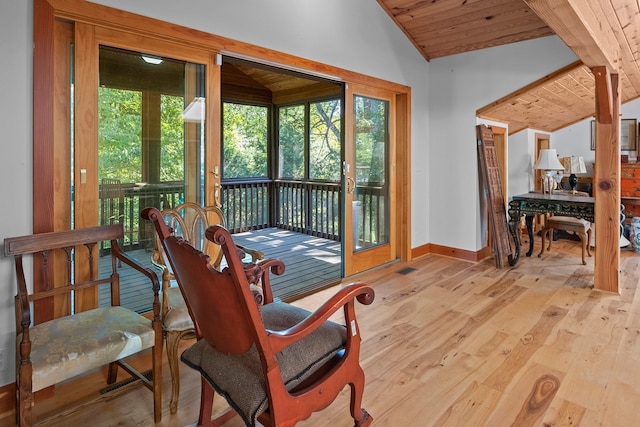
(548, 160)
(574, 164)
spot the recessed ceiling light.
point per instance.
(150, 59)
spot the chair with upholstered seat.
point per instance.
(80, 338)
(581, 227)
(189, 221)
(276, 363)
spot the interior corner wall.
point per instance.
(458, 86)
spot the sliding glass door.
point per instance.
(369, 195)
(140, 134)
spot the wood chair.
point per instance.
(275, 363)
(581, 227)
(79, 341)
(189, 221)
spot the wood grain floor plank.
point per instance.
(473, 407)
(526, 402)
(522, 352)
(564, 413)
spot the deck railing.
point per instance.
(245, 204)
(370, 227)
(312, 208)
(308, 207)
(122, 203)
(305, 207)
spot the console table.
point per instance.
(531, 204)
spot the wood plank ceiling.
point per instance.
(440, 28)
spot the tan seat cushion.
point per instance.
(72, 345)
(560, 221)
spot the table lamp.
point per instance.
(549, 163)
(573, 165)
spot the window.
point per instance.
(120, 134)
(314, 153)
(324, 140)
(291, 139)
(245, 140)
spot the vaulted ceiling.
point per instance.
(600, 33)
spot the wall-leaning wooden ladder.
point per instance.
(491, 184)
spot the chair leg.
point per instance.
(543, 234)
(206, 407)
(24, 396)
(156, 356)
(173, 339)
(583, 242)
(359, 414)
(589, 242)
(173, 342)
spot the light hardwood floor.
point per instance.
(455, 343)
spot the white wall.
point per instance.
(458, 86)
(16, 28)
(521, 146)
(575, 140)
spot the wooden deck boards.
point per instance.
(311, 263)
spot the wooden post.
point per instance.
(606, 180)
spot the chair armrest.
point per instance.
(342, 299)
(266, 266)
(155, 284)
(255, 254)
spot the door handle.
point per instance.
(216, 195)
(351, 185)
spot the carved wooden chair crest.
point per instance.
(275, 364)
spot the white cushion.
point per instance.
(72, 345)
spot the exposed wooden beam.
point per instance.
(606, 187)
(604, 95)
(578, 24)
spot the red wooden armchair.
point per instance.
(189, 221)
(274, 363)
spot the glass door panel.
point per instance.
(369, 240)
(370, 207)
(150, 121)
